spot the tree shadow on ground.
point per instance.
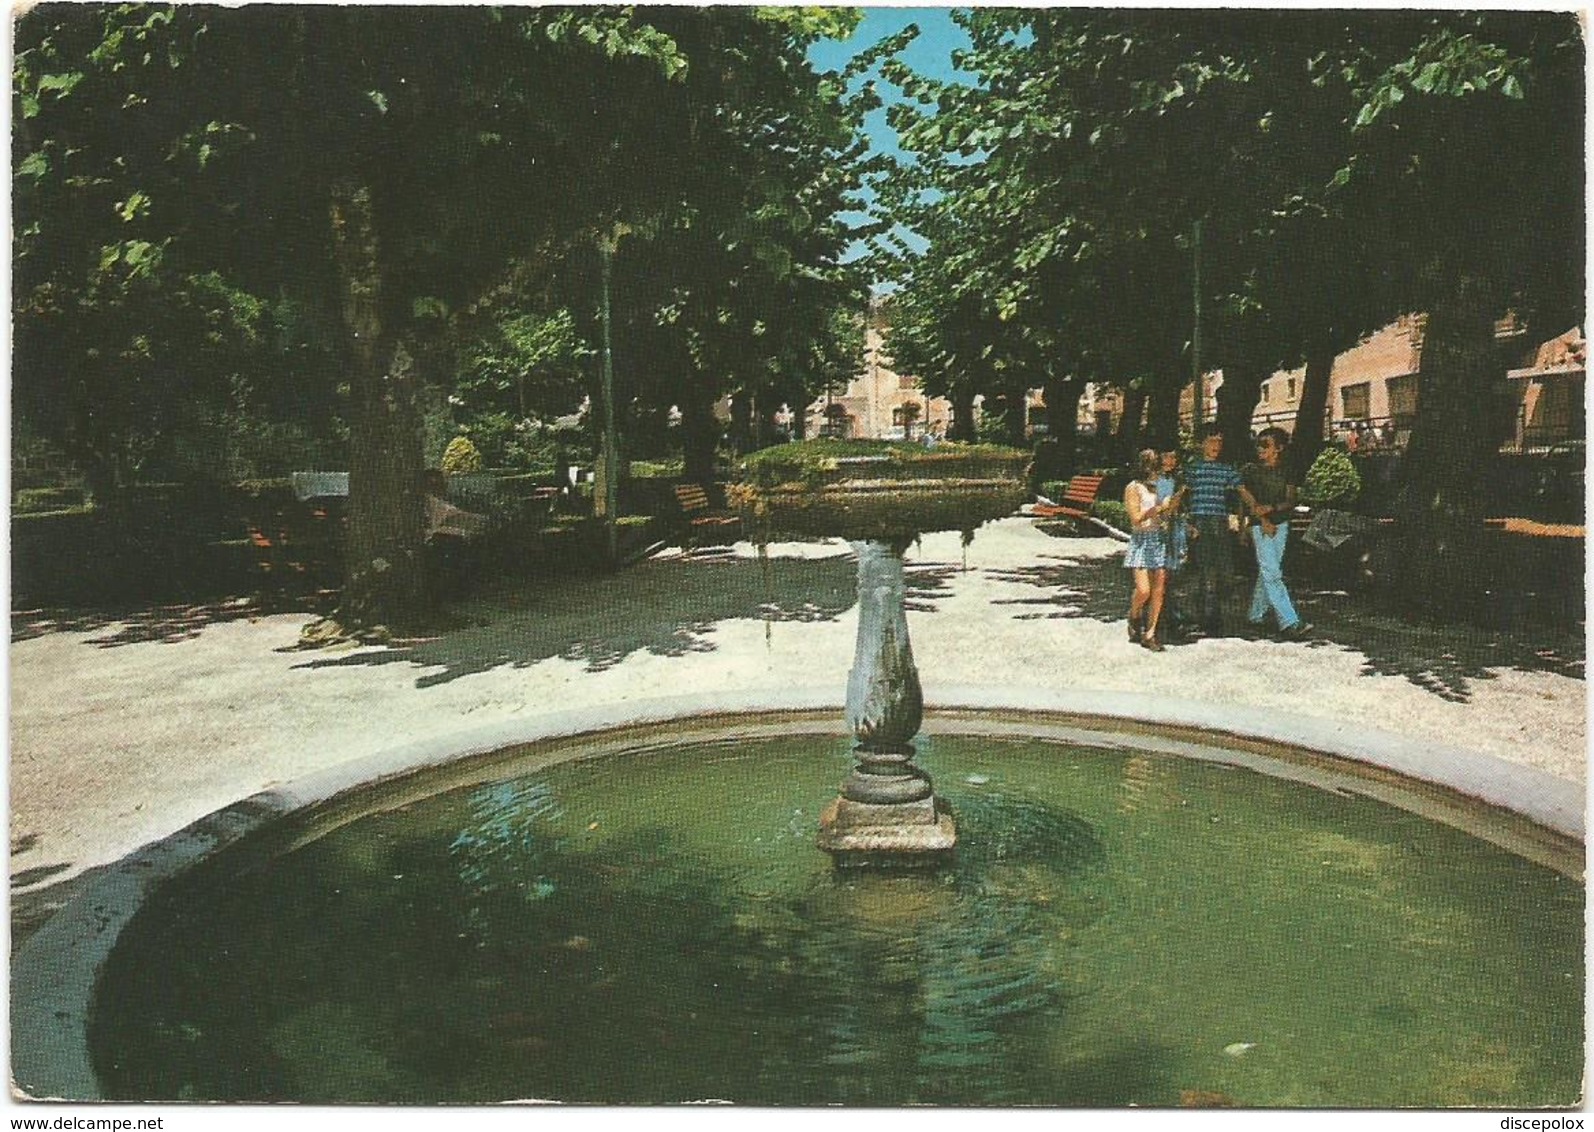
(666, 608)
(1442, 659)
(165, 624)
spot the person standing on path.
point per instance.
(1147, 555)
(1171, 493)
(1212, 482)
(1270, 498)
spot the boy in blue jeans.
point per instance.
(1270, 499)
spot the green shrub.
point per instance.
(1111, 512)
(461, 457)
(33, 499)
(816, 461)
(655, 469)
(1332, 481)
(265, 486)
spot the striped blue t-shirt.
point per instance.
(1210, 482)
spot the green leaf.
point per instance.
(1428, 78)
(35, 164)
(63, 84)
(133, 207)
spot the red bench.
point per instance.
(1077, 500)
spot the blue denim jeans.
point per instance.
(1270, 592)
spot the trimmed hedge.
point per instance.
(1111, 512)
(826, 460)
(1332, 481)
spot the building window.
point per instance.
(1354, 401)
(1402, 393)
(1291, 387)
(905, 417)
(1265, 384)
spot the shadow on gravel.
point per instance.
(667, 608)
(1443, 659)
(166, 624)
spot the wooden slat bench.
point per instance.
(1076, 502)
(1535, 529)
(705, 522)
(299, 539)
(1075, 506)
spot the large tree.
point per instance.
(384, 171)
(1458, 121)
(1344, 168)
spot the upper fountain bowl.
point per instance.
(871, 489)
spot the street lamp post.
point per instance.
(1198, 410)
(610, 455)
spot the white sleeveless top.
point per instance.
(1148, 500)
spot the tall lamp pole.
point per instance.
(1198, 411)
(611, 450)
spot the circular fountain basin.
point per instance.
(1137, 915)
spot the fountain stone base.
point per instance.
(899, 835)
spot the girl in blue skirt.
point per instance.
(1148, 551)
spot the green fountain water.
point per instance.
(1116, 928)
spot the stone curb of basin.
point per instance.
(53, 974)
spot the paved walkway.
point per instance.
(123, 732)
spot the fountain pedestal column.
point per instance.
(887, 812)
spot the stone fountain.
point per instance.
(880, 497)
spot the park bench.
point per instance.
(1075, 506)
(298, 538)
(1076, 502)
(706, 524)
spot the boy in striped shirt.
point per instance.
(1211, 482)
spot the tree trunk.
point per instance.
(741, 423)
(1162, 419)
(1015, 418)
(1237, 398)
(699, 434)
(1439, 507)
(1308, 438)
(385, 580)
(764, 419)
(101, 477)
(1062, 421)
(962, 428)
(1128, 434)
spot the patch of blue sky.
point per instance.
(930, 55)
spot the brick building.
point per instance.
(878, 402)
(1374, 387)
